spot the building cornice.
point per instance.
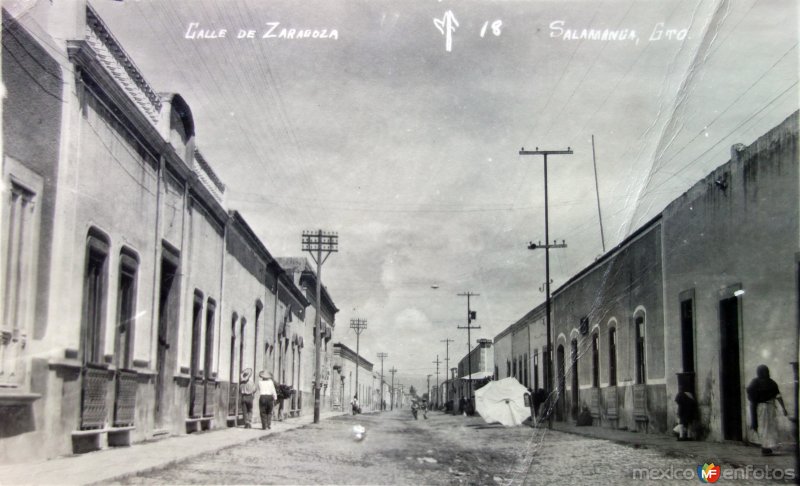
(349, 354)
(120, 66)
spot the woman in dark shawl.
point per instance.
(763, 392)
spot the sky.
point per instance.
(402, 133)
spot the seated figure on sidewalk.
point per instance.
(584, 417)
(687, 412)
(283, 392)
(538, 399)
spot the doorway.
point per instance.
(167, 327)
(730, 372)
(562, 383)
(687, 335)
(575, 383)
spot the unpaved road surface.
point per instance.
(399, 450)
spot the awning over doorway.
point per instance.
(480, 375)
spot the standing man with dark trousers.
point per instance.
(266, 388)
(247, 390)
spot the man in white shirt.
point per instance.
(266, 388)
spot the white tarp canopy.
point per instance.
(502, 401)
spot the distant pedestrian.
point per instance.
(538, 399)
(462, 406)
(424, 408)
(763, 394)
(266, 401)
(284, 392)
(247, 391)
(354, 404)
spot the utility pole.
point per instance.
(471, 316)
(358, 325)
(437, 363)
(392, 371)
(429, 387)
(382, 356)
(447, 363)
(597, 191)
(316, 243)
(547, 246)
(452, 388)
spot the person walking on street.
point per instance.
(763, 394)
(266, 388)
(354, 405)
(247, 390)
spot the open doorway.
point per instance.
(167, 332)
(562, 383)
(730, 369)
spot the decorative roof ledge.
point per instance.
(120, 66)
(207, 176)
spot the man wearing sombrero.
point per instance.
(266, 387)
(247, 389)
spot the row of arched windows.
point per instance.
(638, 334)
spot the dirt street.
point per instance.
(399, 450)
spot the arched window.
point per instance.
(612, 356)
(94, 296)
(211, 307)
(595, 360)
(525, 367)
(126, 311)
(197, 332)
(575, 379)
(641, 370)
(234, 320)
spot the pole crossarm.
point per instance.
(522, 151)
(318, 240)
(358, 325)
(540, 246)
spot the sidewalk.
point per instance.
(732, 453)
(112, 464)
